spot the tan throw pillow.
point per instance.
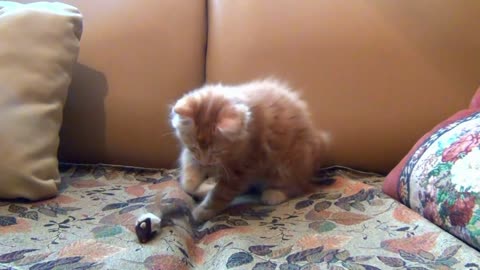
(39, 44)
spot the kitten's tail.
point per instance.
(322, 148)
(321, 154)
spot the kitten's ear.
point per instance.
(182, 114)
(183, 108)
(233, 121)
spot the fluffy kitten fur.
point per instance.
(254, 133)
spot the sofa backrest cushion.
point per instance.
(376, 74)
(136, 58)
(39, 45)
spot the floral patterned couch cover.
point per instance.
(349, 224)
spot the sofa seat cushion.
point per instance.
(349, 224)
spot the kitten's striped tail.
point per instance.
(322, 160)
(322, 149)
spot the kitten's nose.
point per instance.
(203, 160)
(207, 161)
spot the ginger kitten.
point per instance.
(254, 133)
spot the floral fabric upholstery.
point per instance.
(349, 224)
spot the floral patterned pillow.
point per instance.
(440, 176)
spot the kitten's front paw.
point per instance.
(273, 197)
(189, 185)
(190, 181)
(201, 214)
(204, 189)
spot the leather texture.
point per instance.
(136, 58)
(376, 74)
(39, 45)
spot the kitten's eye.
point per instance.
(193, 149)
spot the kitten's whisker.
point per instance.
(227, 174)
(167, 133)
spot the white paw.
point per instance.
(273, 197)
(190, 185)
(204, 189)
(201, 214)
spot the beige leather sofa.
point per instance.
(376, 74)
